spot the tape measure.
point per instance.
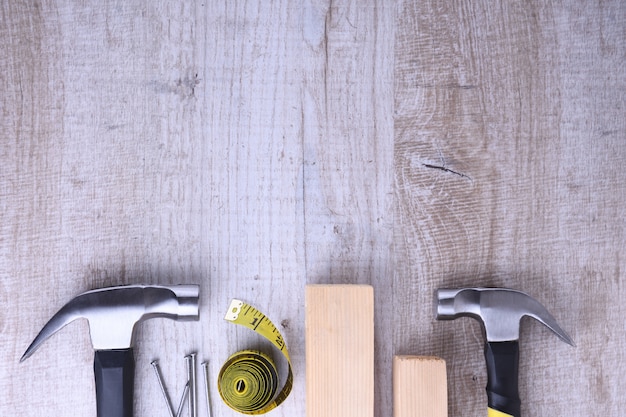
(248, 380)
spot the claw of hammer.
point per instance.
(499, 310)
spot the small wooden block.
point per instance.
(339, 351)
(420, 387)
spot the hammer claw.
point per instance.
(537, 311)
(62, 318)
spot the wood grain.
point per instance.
(420, 386)
(255, 148)
(339, 341)
(509, 130)
(232, 144)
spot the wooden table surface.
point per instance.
(255, 147)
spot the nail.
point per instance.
(193, 390)
(179, 412)
(155, 366)
(205, 368)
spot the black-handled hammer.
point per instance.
(499, 310)
(112, 314)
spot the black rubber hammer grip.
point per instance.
(502, 377)
(115, 375)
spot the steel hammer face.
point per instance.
(499, 310)
(112, 314)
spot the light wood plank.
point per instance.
(420, 386)
(339, 351)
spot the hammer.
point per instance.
(112, 314)
(499, 310)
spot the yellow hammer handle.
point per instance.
(495, 413)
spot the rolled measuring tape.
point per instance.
(248, 380)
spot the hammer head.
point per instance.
(498, 309)
(113, 312)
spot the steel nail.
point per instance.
(179, 412)
(193, 390)
(205, 368)
(155, 366)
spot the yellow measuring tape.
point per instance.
(248, 381)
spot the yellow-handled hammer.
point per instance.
(499, 310)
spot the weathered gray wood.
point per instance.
(244, 146)
(257, 147)
(348, 158)
(509, 144)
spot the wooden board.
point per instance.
(420, 386)
(339, 351)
